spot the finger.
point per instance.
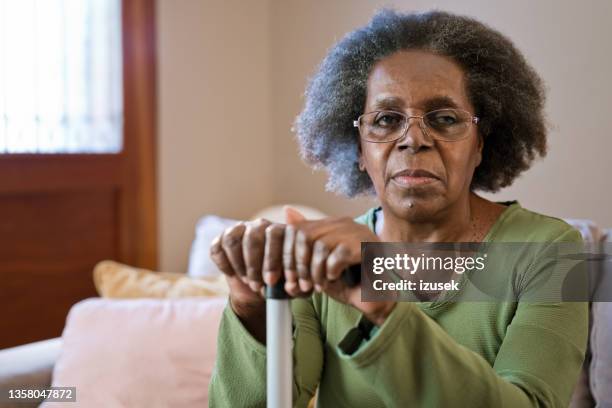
(307, 233)
(253, 251)
(337, 261)
(316, 229)
(289, 260)
(273, 253)
(320, 252)
(232, 245)
(303, 251)
(218, 257)
(293, 216)
(294, 291)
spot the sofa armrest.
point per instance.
(29, 365)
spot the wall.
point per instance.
(213, 156)
(232, 76)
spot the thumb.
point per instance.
(293, 216)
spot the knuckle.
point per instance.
(252, 272)
(287, 259)
(302, 270)
(231, 241)
(236, 228)
(216, 241)
(274, 231)
(343, 250)
(233, 235)
(290, 229)
(320, 247)
(253, 241)
(332, 261)
(257, 224)
(304, 237)
(262, 222)
(215, 249)
(216, 258)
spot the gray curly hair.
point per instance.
(507, 94)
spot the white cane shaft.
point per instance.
(279, 354)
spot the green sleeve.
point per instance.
(239, 376)
(411, 361)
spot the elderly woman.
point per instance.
(421, 110)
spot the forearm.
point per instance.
(413, 361)
(239, 377)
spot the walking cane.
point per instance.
(279, 336)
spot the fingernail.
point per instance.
(305, 285)
(290, 286)
(255, 286)
(268, 276)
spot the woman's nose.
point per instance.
(415, 136)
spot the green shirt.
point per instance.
(429, 354)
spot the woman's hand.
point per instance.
(316, 253)
(249, 253)
(238, 253)
(310, 254)
(242, 252)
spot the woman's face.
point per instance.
(416, 82)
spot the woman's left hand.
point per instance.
(316, 253)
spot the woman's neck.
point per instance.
(467, 220)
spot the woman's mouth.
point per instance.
(413, 178)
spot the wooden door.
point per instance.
(62, 213)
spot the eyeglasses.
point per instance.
(388, 126)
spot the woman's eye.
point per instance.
(442, 119)
(387, 120)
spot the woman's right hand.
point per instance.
(238, 253)
(251, 254)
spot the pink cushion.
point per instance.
(139, 353)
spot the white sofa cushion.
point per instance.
(207, 228)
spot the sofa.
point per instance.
(31, 365)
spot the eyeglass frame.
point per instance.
(473, 120)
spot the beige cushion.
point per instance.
(116, 280)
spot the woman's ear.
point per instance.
(479, 149)
(360, 161)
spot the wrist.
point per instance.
(253, 318)
(380, 314)
(247, 310)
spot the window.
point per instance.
(60, 76)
